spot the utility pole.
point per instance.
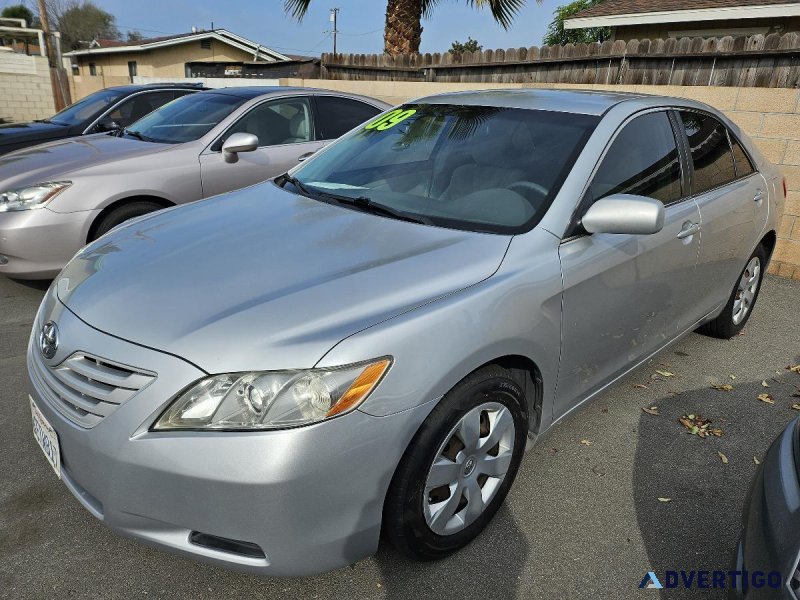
(58, 77)
(334, 20)
(48, 38)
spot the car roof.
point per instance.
(587, 102)
(129, 89)
(251, 92)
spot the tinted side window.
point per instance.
(642, 160)
(286, 121)
(138, 106)
(743, 165)
(337, 116)
(711, 152)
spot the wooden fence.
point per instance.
(754, 61)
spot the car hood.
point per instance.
(266, 279)
(13, 133)
(61, 158)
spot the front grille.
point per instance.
(85, 388)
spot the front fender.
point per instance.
(517, 312)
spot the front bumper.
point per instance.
(771, 522)
(310, 498)
(36, 244)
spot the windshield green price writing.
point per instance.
(391, 119)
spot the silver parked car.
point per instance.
(270, 379)
(56, 197)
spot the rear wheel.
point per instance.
(459, 467)
(123, 213)
(740, 305)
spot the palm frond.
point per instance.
(296, 8)
(503, 11)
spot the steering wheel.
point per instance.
(528, 185)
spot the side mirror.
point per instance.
(238, 142)
(107, 124)
(624, 213)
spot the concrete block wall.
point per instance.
(771, 116)
(25, 90)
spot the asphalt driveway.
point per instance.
(584, 518)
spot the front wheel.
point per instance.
(740, 305)
(459, 466)
(123, 213)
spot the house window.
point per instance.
(132, 70)
(76, 70)
(92, 69)
(205, 44)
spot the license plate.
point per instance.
(46, 437)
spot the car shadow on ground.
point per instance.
(701, 496)
(490, 567)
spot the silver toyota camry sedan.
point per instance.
(272, 379)
(56, 197)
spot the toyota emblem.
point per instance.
(48, 340)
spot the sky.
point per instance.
(360, 23)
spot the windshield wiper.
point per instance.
(361, 203)
(296, 183)
(365, 204)
(136, 134)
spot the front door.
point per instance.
(625, 296)
(285, 135)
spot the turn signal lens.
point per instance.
(360, 388)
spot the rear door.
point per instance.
(730, 194)
(625, 296)
(335, 116)
(285, 130)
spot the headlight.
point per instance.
(35, 196)
(272, 399)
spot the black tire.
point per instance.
(724, 327)
(121, 214)
(404, 524)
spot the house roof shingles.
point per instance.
(144, 41)
(626, 7)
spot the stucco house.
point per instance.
(169, 56)
(652, 19)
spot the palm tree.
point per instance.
(403, 29)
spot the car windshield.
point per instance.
(86, 108)
(477, 168)
(186, 119)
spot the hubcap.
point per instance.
(746, 291)
(469, 468)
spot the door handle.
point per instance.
(689, 229)
(306, 156)
(759, 196)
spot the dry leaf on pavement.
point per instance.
(586, 442)
(722, 457)
(725, 387)
(665, 499)
(796, 406)
(793, 368)
(699, 426)
(665, 373)
(653, 410)
(755, 460)
(640, 386)
(764, 383)
(767, 398)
